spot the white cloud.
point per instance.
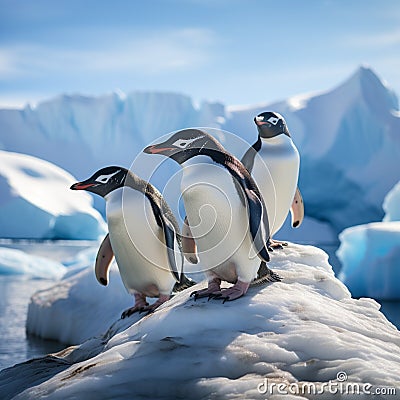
(148, 53)
(384, 39)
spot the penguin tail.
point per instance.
(265, 275)
(183, 284)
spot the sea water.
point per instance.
(15, 345)
(15, 293)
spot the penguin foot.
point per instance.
(140, 303)
(128, 312)
(234, 292)
(276, 245)
(151, 308)
(214, 286)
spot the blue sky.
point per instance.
(234, 51)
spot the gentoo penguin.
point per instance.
(143, 235)
(276, 166)
(225, 212)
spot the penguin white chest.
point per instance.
(276, 170)
(218, 221)
(137, 242)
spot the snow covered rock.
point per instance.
(303, 331)
(17, 262)
(36, 203)
(347, 137)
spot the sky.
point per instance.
(237, 52)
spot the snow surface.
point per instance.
(17, 262)
(36, 202)
(303, 330)
(347, 137)
(370, 254)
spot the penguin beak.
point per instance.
(260, 121)
(159, 149)
(81, 186)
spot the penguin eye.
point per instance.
(105, 178)
(273, 120)
(181, 143)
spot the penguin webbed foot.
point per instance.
(152, 307)
(276, 245)
(128, 312)
(239, 289)
(214, 286)
(140, 303)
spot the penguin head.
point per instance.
(271, 124)
(185, 144)
(103, 181)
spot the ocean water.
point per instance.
(15, 292)
(15, 345)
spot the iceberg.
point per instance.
(370, 260)
(17, 262)
(77, 308)
(281, 338)
(36, 203)
(347, 138)
(370, 254)
(391, 204)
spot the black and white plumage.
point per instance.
(273, 161)
(143, 235)
(224, 208)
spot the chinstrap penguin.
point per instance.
(143, 235)
(273, 161)
(225, 212)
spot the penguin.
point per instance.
(225, 212)
(276, 166)
(143, 234)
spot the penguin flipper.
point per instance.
(189, 247)
(248, 157)
(175, 258)
(258, 221)
(257, 212)
(104, 257)
(170, 231)
(297, 209)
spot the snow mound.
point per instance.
(304, 330)
(17, 262)
(36, 203)
(78, 307)
(391, 204)
(370, 260)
